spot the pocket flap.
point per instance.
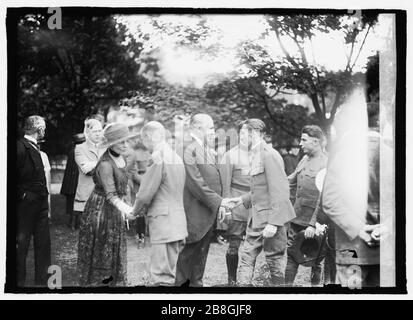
(158, 211)
(308, 203)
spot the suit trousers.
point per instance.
(192, 261)
(32, 220)
(162, 266)
(274, 250)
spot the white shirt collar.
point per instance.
(91, 144)
(30, 138)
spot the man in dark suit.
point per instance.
(202, 200)
(32, 206)
(351, 196)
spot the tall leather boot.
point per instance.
(232, 265)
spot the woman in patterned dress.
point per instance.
(102, 236)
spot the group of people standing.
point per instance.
(185, 196)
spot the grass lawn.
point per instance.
(64, 254)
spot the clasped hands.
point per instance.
(226, 206)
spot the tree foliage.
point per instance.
(295, 71)
(66, 75)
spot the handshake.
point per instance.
(227, 205)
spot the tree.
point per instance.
(69, 74)
(245, 97)
(294, 71)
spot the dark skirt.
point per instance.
(71, 176)
(102, 244)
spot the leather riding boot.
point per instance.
(232, 265)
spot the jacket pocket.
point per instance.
(311, 173)
(308, 203)
(158, 211)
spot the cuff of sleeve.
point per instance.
(246, 199)
(271, 228)
(216, 204)
(122, 206)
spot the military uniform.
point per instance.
(270, 204)
(236, 182)
(304, 195)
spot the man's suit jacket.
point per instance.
(351, 199)
(203, 190)
(29, 167)
(85, 156)
(162, 191)
(270, 192)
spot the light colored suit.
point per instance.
(161, 191)
(86, 158)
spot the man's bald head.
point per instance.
(153, 126)
(202, 126)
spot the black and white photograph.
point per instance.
(205, 150)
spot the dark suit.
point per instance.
(202, 199)
(344, 201)
(69, 183)
(32, 213)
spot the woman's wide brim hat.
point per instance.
(115, 133)
(308, 252)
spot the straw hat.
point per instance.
(115, 133)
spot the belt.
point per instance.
(240, 187)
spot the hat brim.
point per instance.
(106, 144)
(298, 255)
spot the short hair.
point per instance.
(91, 123)
(314, 132)
(254, 124)
(33, 123)
(97, 116)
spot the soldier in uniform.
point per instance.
(304, 195)
(236, 182)
(270, 206)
